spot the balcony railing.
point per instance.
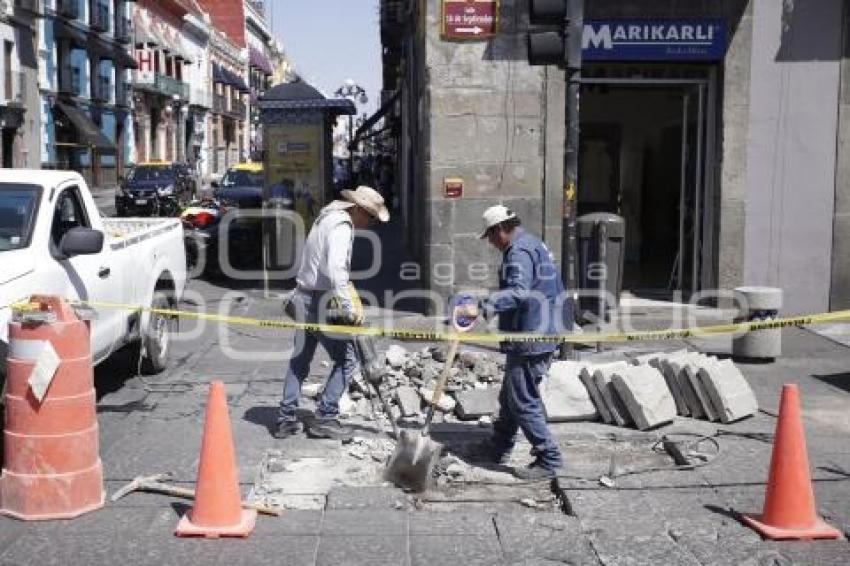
(238, 109)
(68, 8)
(124, 30)
(14, 89)
(102, 89)
(71, 80)
(99, 17)
(167, 85)
(218, 103)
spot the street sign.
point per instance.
(470, 19)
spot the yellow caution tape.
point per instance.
(485, 337)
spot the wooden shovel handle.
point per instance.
(190, 494)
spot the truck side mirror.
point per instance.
(81, 241)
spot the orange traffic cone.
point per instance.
(789, 502)
(217, 511)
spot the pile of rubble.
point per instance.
(654, 388)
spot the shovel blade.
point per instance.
(412, 464)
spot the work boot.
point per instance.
(535, 471)
(285, 429)
(328, 428)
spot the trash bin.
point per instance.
(601, 250)
(758, 303)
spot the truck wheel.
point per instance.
(156, 339)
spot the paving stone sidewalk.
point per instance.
(663, 517)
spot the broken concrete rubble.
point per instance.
(602, 378)
(446, 403)
(396, 356)
(408, 401)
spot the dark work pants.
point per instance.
(521, 408)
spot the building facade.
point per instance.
(19, 96)
(196, 36)
(717, 130)
(160, 84)
(258, 38)
(84, 79)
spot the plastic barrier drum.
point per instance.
(52, 467)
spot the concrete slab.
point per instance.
(692, 373)
(565, 396)
(586, 377)
(646, 396)
(669, 373)
(476, 403)
(677, 370)
(408, 401)
(603, 377)
(729, 392)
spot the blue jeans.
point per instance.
(341, 351)
(521, 408)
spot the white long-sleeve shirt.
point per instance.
(326, 260)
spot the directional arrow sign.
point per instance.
(469, 19)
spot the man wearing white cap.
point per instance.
(324, 294)
(530, 299)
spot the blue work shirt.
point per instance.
(531, 295)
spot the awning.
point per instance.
(235, 80)
(258, 59)
(67, 31)
(218, 74)
(88, 131)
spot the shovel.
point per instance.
(416, 453)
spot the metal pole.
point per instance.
(569, 243)
(573, 29)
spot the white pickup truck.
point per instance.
(54, 241)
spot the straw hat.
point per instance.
(369, 200)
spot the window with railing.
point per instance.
(123, 29)
(33, 6)
(99, 15)
(102, 88)
(68, 8)
(71, 80)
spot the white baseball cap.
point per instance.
(495, 215)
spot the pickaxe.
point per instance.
(155, 484)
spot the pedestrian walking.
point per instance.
(324, 294)
(530, 299)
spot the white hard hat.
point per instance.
(495, 215)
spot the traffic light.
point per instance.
(556, 40)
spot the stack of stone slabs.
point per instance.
(730, 394)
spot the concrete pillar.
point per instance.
(839, 295)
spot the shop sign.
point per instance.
(470, 19)
(654, 40)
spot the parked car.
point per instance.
(239, 191)
(154, 188)
(54, 241)
(241, 186)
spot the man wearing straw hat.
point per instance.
(323, 294)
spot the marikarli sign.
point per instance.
(470, 19)
(654, 40)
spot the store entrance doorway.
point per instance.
(644, 146)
